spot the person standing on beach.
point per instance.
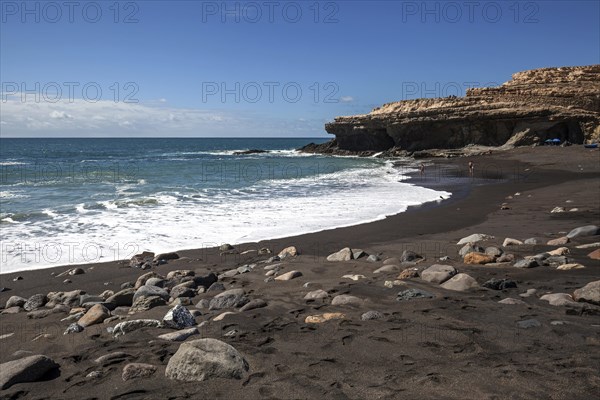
(422, 169)
(471, 169)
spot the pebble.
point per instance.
(371, 315)
(528, 323)
(345, 300)
(288, 276)
(354, 277)
(318, 319)
(511, 301)
(528, 293)
(410, 294)
(316, 294)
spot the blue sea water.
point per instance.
(65, 201)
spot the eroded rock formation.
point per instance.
(534, 106)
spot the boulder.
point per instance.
(561, 251)
(584, 231)
(28, 369)
(186, 289)
(590, 293)
(506, 258)
(139, 260)
(254, 304)
(151, 291)
(125, 327)
(179, 336)
(493, 251)
(343, 255)
(470, 248)
(180, 273)
(161, 283)
(460, 283)
(570, 266)
(319, 319)
(123, 298)
(221, 316)
(499, 284)
(76, 271)
(216, 287)
(511, 242)
(438, 273)
(15, 301)
(410, 256)
(34, 302)
(226, 247)
(527, 263)
(358, 253)
(558, 242)
(373, 258)
(137, 370)
(289, 276)
(229, 299)
(141, 281)
(558, 299)
(594, 255)
(112, 358)
(94, 315)
(146, 303)
(478, 258)
(179, 317)
(290, 251)
(346, 300)
(165, 257)
(206, 280)
(316, 294)
(474, 238)
(203, 359)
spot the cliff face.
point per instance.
(535, 105)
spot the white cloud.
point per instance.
(346, 99)
(107, 118)
(60, 115)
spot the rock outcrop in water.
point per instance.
(534, 106)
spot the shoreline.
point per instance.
(465, 193)
(407, 177)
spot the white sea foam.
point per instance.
(175, 220)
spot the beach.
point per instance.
(455, 344)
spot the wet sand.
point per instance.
(457, 345)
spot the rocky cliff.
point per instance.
(533, 106)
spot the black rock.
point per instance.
(206, 281)
(252, 151)
(216, 287)
(35, 301)
(409, 256)
(499, 284)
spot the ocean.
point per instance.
(76, 201)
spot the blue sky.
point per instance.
(287, 67)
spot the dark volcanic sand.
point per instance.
(459, 345)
